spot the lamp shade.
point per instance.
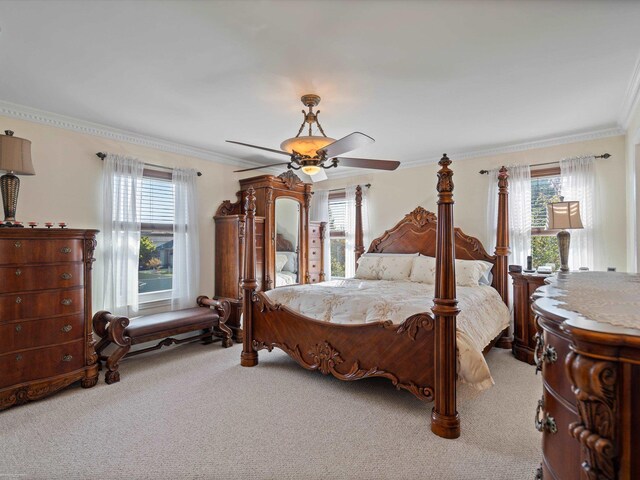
(306, 145)
(563, 215)
(15, 155)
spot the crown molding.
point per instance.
(502, 149)
(631, 98)
(29, 114)
(22, 112)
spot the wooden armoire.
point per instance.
(229, 239)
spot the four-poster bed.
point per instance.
(419, 354)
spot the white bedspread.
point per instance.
(482, 316)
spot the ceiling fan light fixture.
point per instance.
(311, 170)
(306, 145)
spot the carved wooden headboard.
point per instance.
(416, 232)
(283, 245)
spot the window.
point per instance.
(545, 188)
(155, 269)
(337, 220)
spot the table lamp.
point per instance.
(562, 216)
(15, 158)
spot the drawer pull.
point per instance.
(67, 328)
(18, 300)
(17, 244)
(65, 250)
(18, 272)
(18, 357)
(67, 358)
(547, 423)
(543, 353)
(66, 301)
(18, 328)
(66, 276)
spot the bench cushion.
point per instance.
(159, 322)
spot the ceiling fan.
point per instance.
(313, 154)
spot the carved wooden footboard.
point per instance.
(403, 354)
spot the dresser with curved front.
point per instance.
(589, 353)
(46, 341)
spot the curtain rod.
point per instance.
(103, 155)
(368, 185)
(604, 155)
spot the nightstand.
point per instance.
(524, 321)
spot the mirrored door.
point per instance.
(287, 240)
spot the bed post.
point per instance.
(445, 421)
(359, 241)
(502, 250)
(249, 356)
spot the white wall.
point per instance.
(67, 186)
(393, 194)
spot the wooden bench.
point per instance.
(210, 317)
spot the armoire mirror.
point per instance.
(287, 240)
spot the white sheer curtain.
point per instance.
(121, 233)
(519, 212)
(319, 212)
(578, 183)
(350, 232)
(186, 268)
(350, 227)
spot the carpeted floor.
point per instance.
(193, 412)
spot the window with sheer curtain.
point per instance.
(151, 236)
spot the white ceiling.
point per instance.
(419, 77)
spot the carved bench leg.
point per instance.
(100, 346)
(112, 374)
(226, 333)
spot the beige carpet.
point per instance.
(193, 412)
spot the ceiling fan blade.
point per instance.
(346, 144)
(262, 166)
(273, 150)
(368, 163)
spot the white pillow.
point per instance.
(395, 267)
(281, 261)
(470, 272)
(292, 261)
(368, 268)
(423, 270)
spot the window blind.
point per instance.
(156, 201)
(337, 215)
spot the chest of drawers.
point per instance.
(46, 341)
(524, 321)
(315, 271)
